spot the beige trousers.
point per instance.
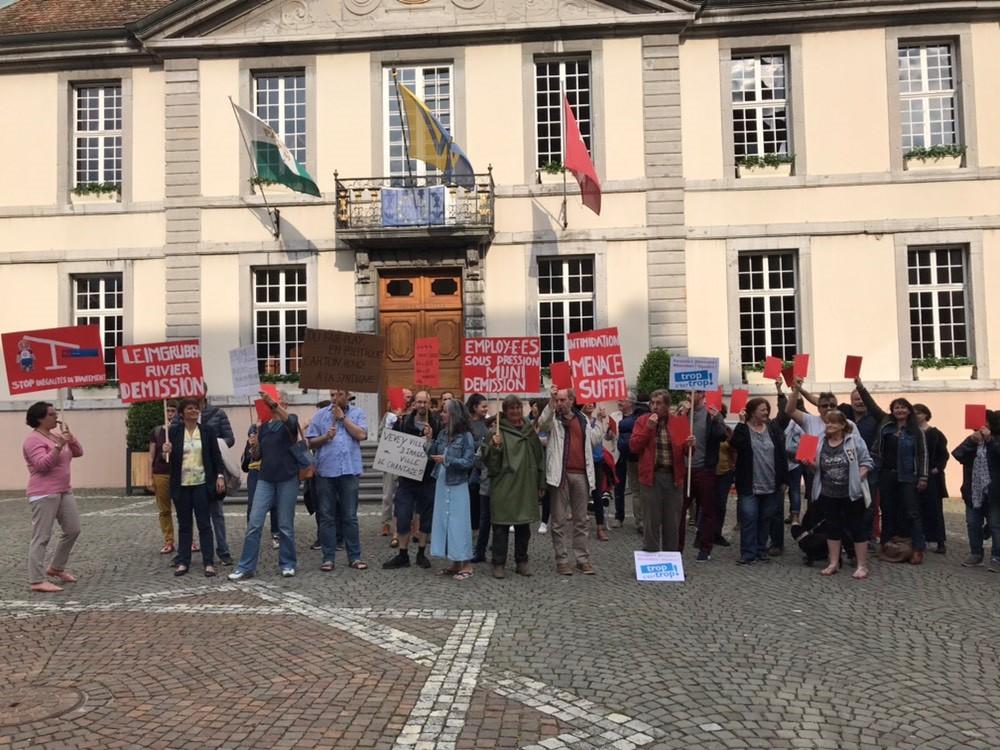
(44, 514)
(161, 485)
(570, 500)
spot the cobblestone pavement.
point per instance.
(768, 656)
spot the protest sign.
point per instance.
(713, 400)
(153, 372)
(341, 360)
(738, 401)
(396, 398)
(492, 366)
(562, 375)
(808, 445)
(788, 373)
(401, 454)
(975, 416)
(243, 365)
(596, 365)
(50, 358)
(772, 368)
(694, 373)
(659, 566)
(800, 366)
(264, 412)
(679, 429)
(427, 362)
(852, 367)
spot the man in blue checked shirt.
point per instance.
(335, 434)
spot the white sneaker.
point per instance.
(239, 575)
(543, 528)
(275, 541)
(288, 572)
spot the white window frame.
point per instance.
(287, 363)
(760, 104)
(585, 123)
(925, 94)
(420, 87)
(934, 288)
(102, 134)
(567, 298)
(281, 125)
(768, 293)
(102, 314)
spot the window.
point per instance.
(280, 101)
(552, 78)
(279, 312)
(97, 135)
(565, 303)
(759, 86)
(768, 308)
(927, 95)
(100, 301)
(432, 85)
(938, 302)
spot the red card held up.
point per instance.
(772, 368)
(788, 373)
(808, 445)
(713, 401)
(561, 376)
(975, 416)
(852, 367)
(679, 429)
(271, 390)
(800, 366)
(738, 401)
(263, 410)
(396, 398)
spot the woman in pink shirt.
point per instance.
(50, 495)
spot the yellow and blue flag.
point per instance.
(431, 142)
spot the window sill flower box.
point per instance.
(950, 368)
(755, 377)
(769, 165)
(935, 157)
(552, 174)
(96, 393)
(111, 196)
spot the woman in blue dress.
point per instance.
(454, 452)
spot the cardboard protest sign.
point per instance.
(808, 445)
(562, 375)
(788, 373)
(153, 372)
(49, 358)
(694, 373)
(659, 566)
(427, 362)
(401, 454)
(772, 368)
(852, 367)
(800, 366)
(396, 399)
(492, 366)
(713, 400)
(596, 365)
(243, 365)
(738, 401)
(975, 416)
(341, 360)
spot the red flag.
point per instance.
(577, 160)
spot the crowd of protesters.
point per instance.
(876, 482)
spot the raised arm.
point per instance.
(874, 409)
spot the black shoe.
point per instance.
(720, 541)
(398, 561)
(478, 559)
(227, 561)
(422, 560)
(941, 550)
(316, 545)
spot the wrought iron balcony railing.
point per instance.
(421, 202)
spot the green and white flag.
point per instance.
(273, 161)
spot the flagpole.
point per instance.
(403, 126)
(272, 213)
(565, 202)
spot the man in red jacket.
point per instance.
(661, 475)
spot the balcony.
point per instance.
(386, 211)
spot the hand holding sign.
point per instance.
(561, 376)
(713, 401)
(975, 416)
(800, 366)
(852, 367)
(808, 445)
(772, 368)
(738, 401)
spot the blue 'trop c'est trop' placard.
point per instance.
(694, 373)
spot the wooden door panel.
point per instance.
(400, 291)
(446, 325)
(441, 290)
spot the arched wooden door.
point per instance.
(419, 303)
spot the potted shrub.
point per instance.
(766, 165)
(550, 174)
(94, 392)
(945, 156)
(943, 368)
(140, 421)
(96, 192)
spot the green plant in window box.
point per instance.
(553, 167)
(97, 188)
(938, 363)
(262, 181)
(936, 153)
(759, 366)
(99, 386)
(765, 160)
(270, 377)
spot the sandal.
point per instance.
(860, 574)
(462, 575)
(209, 571)
(829, 570)
(359, 565)
(181, 570)
(326, 567)
(449, 571)
(395, 541)
(166, 549)
(62, 575)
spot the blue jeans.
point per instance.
(338, 512)
(795, 490)
(756, 514)
(974, 519)
(251, 489)
(268, 494)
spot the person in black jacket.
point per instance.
(196, 476)
(979, 455)
(761, 473)
(931, 499)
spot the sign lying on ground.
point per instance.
(153, 372)
(401, 454)
(498, 365)
(69, 357)
(341, 360)
(659, 566)
(597, 366)
(694, 373)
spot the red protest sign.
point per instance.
(562, 376)
(808, 445)
(713, 401)
(788, 373)
(772, 368)
(738, 401)
(53, 358)
(264, 412)
(271, 390)
(800, 366)
(679, 429)
(396, 398)
(502, 365)
(598, 369)
(852, 367)
(153, 372)
(975, 416)
(427, 362)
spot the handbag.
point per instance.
(303, 457)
